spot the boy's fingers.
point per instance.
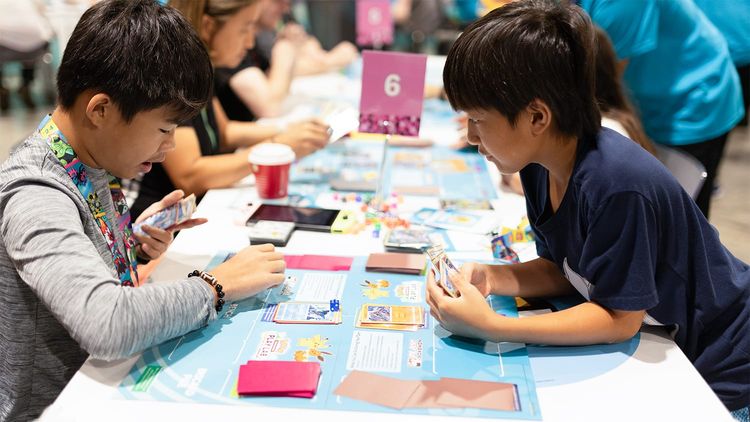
(159, 235)
(435, 315)
(435, 294)
(172, 198)
(188, 224)
(147, 250)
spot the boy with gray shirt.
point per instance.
(131, 71)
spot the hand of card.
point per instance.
(170, 216)
(443, 269)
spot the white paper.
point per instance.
(322, 287)
(374, 351)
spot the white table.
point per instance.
(656, 382)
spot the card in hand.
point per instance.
(446, 272)
(170, 216)
(443, 269)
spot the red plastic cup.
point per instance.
(270, 164)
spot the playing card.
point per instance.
(170, 216)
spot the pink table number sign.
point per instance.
(392, 92)
(374, 23)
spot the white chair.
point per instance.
(686, 169)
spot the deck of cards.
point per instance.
(407, 240)
(443, 269)
(390, 317)
(170, 216)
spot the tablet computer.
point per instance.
(304, 218)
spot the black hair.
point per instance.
(526, 50)
(610, 93)
(142, 54)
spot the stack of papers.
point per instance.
(391, 317)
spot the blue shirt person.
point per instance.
(679, 72)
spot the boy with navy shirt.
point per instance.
(611, 222)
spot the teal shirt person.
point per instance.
(679, 70)
(732, 19)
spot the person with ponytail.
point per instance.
(617, 111)
(211, 149)
(610, 222)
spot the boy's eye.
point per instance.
(164, 131)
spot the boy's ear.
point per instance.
(540, 115)
(99, 109)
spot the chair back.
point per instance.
(686, 169)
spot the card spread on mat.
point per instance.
(306, 313)
(391, 314)
(390, 317)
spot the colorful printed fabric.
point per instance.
(125, 265)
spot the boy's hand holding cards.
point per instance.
(443, 269)
(168, 217)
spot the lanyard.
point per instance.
(125, 265)
(209, 129)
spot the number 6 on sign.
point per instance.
(392, 86)
(392, 91)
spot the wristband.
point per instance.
(211, 280)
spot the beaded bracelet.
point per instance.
(210, 279)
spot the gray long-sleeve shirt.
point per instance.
(60, 298)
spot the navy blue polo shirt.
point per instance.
(628, 237)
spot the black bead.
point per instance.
(221, 302)
(218, 287)
(220, 294)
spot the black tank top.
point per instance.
(230, 102)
